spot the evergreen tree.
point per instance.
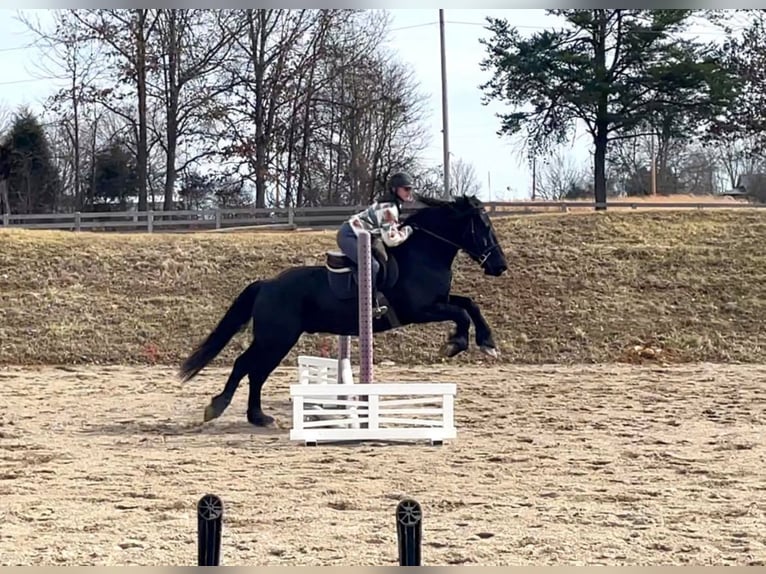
(617, 71)
(114, 178)
(34, 184)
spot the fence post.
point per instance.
(209, 522)
(150, 221)
(409, 518)
(290, 215)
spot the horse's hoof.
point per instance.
(260, 420)
(451, 349)
(211, 413)
(491, 351)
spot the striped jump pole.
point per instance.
(345, 374)
(365, 307)
(364, 255)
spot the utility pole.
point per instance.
(489, 185)
(654, 168)
(445, 121)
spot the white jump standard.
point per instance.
(328, 406)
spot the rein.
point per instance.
(481, 258)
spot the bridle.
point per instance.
(480, 258)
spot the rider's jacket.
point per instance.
(381, 219)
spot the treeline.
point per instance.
(183, 108)
(180, 109)
(643, 87)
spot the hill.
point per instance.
(594, 287)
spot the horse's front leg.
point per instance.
(439, 312)
(484, 339)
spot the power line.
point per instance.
(739, 19)
(423, 25)
(29, 80)
(539, 27)
(17, 48)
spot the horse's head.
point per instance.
(463, 223)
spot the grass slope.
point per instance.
(595, 287)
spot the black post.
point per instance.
(209, 522)
(409, 517)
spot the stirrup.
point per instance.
(379, 310)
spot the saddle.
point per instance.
(343, 276)
(337, 262)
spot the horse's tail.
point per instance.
(237, 316)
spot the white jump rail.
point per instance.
(383, 411)
(323, 371)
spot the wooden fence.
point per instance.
(297, 217)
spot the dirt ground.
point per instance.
(552, 465)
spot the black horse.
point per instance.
(415, 281)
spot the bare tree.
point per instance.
(5, 174)
(260, 71)
(125, 36)
(368, 123)
(305, 105)
(5, 160)
(697, 171)
(559, 176)
(735, 157)
(6, 118)
(463, 178)
(682, 166)
(190, 47)
(70, 52)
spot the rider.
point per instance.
(381, 219)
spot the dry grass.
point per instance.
(586, 287)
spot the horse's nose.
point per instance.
(496, 271)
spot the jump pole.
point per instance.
(364, 255)
(345, 375)
(365, 307)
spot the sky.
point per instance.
(500, 168)
(414, 34)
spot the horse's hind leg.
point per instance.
(242, 366)
(269, 355)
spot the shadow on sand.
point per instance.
(182, 428)
(229, 424)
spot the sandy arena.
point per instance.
(553, 465)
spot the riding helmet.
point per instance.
(401, 179)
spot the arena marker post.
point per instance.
(209, 525)
(409, 520)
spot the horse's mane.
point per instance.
(460, 205)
